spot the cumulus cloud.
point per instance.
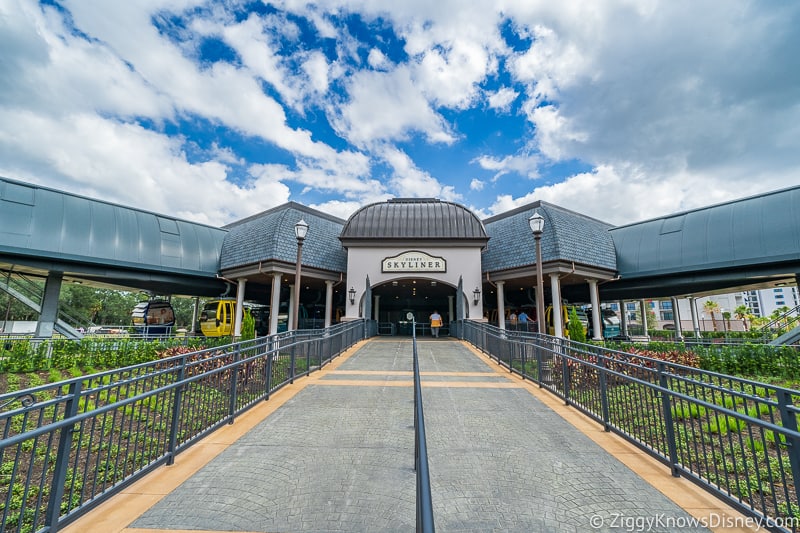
(358, 100)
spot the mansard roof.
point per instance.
(270, 236)
(568, 236)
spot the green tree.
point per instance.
(712, 307)
(743, 313)
(575, 327)
(248, 326)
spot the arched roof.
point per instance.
(42, 229)
(567, 236)
(414, 219)
(733, 244)
(270, 236)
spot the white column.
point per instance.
(376, 307)
(623, 318)
(328, 302)
(676, 317)
(555, 288)
(501, 305)
(237, 324)
(195, 313)
(275, 303)
(695, 322)
(597, 314)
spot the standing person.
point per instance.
(523, 320)
(512, 319)
(436, 323)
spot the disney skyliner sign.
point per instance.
(414, 261)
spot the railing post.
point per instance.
(176, 412)
(62, 458)
(237, 356)
(604, 395)
(268, 377)
(539, 363)
(292, 357)
(562, 350)
(789, 421)
(666, 406)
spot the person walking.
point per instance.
(436, 323)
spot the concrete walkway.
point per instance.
(335, 452)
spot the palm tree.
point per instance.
(712, 307)
(742, 313)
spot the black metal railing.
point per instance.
(66, 447)
(734, 437)
(425, 522)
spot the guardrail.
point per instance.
(425, 523)
(66, 447)
(736, 438)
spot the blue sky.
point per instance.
(214, 111)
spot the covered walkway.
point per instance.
(335, 452)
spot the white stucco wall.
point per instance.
(464, 262)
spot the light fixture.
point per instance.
(352, 294)
(536, 222)
(476, 296)
(300, 230)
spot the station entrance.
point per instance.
(395, 299)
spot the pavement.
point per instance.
(334, 452)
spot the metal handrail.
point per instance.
(793, 313)
(425, 523)
(68, 446)
(736, 438)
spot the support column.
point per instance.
(49, 313)
(695, 322)
(328, 303)
(274, 303)
(555, 288)
(501, 305)
(376, 307)
(195, 312)
(643, 309)
(676, 317)
(597, 314)
(237, 324)
(623, 318)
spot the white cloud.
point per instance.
(502, 99)
(476, 184)
(388, 106)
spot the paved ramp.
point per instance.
(338, 456)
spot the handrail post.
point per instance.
(604, 395)
(789, 421)
(237, 356)
(668, 422)
(62, 458)
(176, 412)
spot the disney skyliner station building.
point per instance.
(400, 256)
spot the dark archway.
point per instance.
(420, 296)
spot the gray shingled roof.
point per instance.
(567, 236)
(270, 236)
(414, 218)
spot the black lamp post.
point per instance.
(476, 296)
(300, 230)
(536, 222)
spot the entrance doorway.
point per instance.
(419, 296)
